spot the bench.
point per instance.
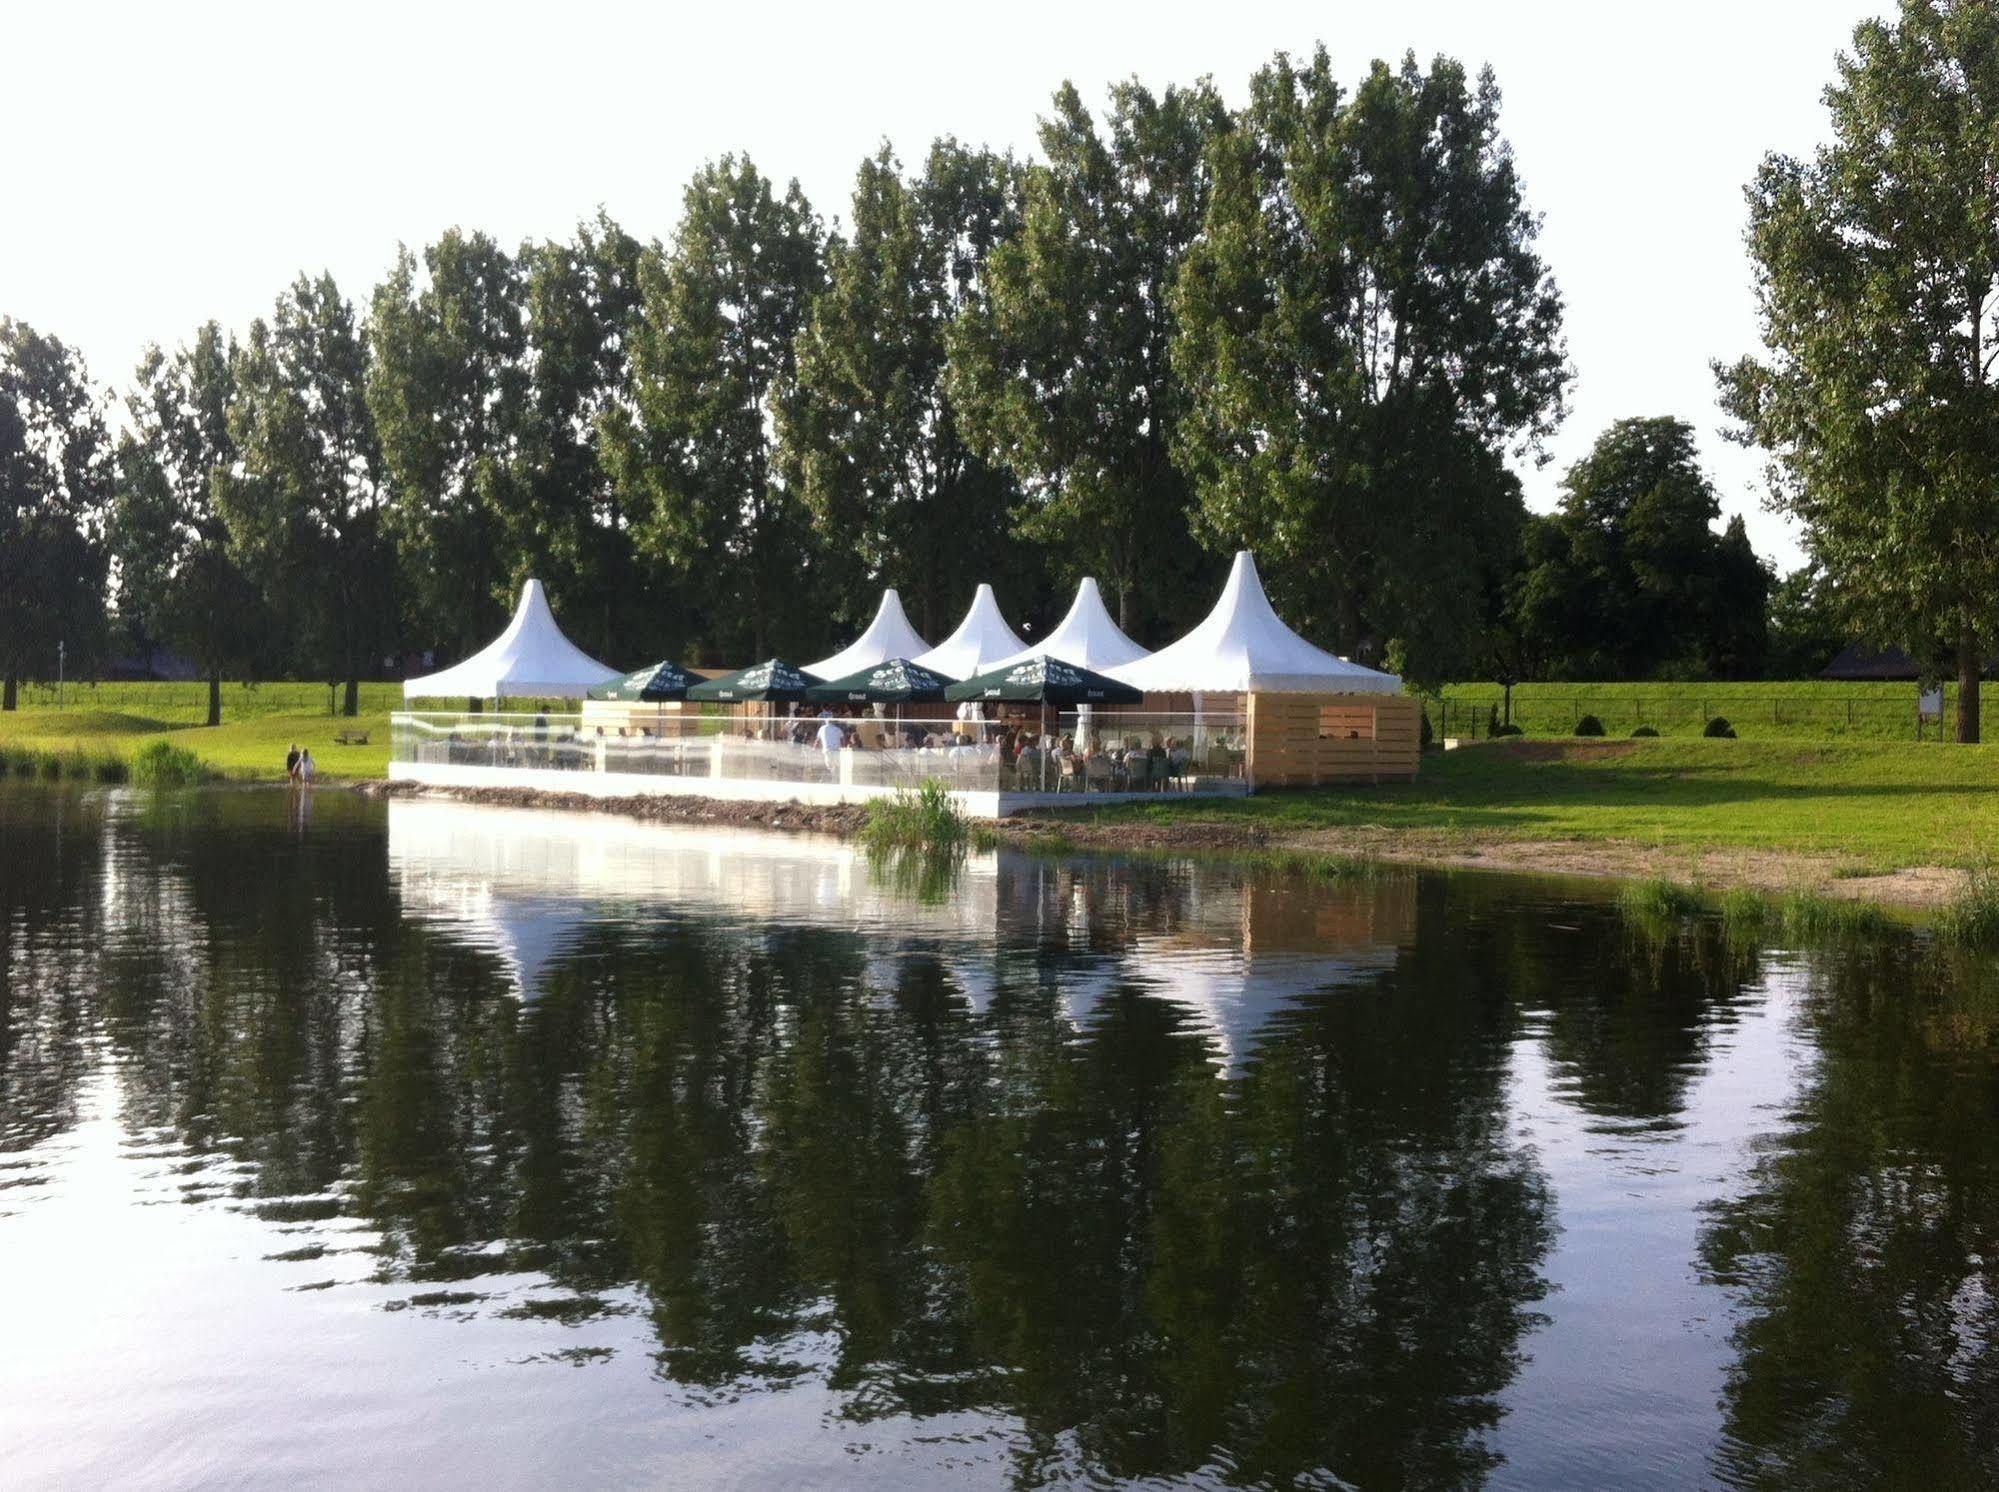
(351, 737)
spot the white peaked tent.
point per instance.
(1243, 647)
(531, 658)
(1086, 637)
(888, 636)
(983, 638)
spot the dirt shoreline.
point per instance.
(1717, 867)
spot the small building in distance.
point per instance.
(1861, 662)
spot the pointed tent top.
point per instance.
(888, 636)
(531, 658)
(983, 638)
(1086, 637)
(1243, 647)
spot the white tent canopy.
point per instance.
(1243, 647)
(983, 638)
(888, 636)
(530, 659)
(1086, 637)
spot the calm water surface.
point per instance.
(423, 1144)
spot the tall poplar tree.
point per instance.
(175, 566)
(557, 505)
(1366, 332)
(306, 502)
(693, 448)
(55, 492)
(874, 436)
(446, 391)
(1877, 285)
(1062, 370)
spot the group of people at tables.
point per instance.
(1015, 743)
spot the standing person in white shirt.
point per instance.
(307, 768)
(830, 739)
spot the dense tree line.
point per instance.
(1317, 326)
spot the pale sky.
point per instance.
(172, 163)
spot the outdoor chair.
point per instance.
(1097, 774)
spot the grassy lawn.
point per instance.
(1882, 804)
(249, 747)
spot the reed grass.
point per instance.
(924, 820)
(1970, 919)
(72, 765)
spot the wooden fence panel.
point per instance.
(1308, 739)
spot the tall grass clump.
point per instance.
(1812, 917)
(924, 820)
(917, 841)
(1970, 919)
(163, 764)
(1659, 900)
(59, 766)
(1744, 913)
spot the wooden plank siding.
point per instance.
(1302, 740)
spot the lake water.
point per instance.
(423, 1144)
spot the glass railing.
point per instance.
(1061, 752)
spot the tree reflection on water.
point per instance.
(1156, 1169)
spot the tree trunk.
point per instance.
(215, 696)
(1509, 701)
(7, 699)
(1968, 665)
(350, 702)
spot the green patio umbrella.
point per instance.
(1047, 681)
(895, 682)
(771, 679)
(655, 682)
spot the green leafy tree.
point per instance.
(446, 387)
(555, 500)
(875, 436)
(1629, 578)
(306, 502)
(1365, 331)
(1877, 282)
(1805, 630)
(175, 568)
(1062, 371)
(693, 447)
(55, 493)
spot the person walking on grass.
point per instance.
(291, 762)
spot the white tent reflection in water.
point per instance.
(525, 885)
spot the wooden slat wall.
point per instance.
(1300, 739)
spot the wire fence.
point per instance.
(1868, 713)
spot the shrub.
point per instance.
(163, 764)
(1718, 729)
(1507, 730)
(1589, 725)
(1645, 731)
(1428, 736)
